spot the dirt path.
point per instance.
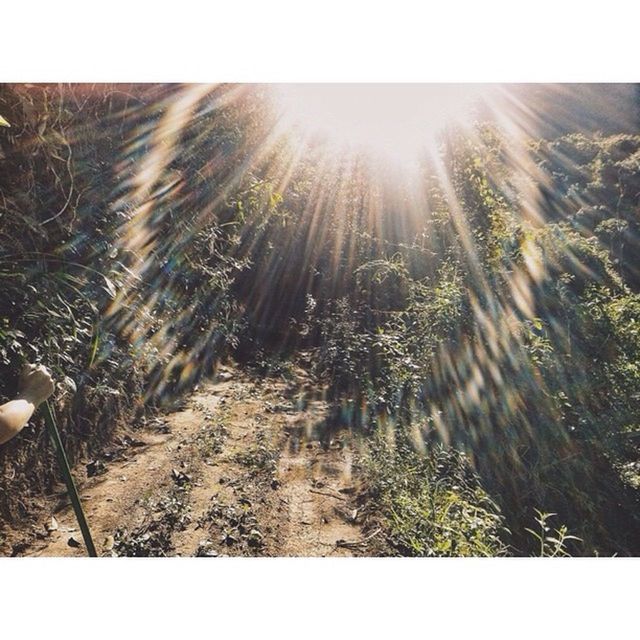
(247, 466)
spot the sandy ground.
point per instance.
(247, 466)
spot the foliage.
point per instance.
(520, 347)
(431, 505)
(553, 544)
(594, 183)
(124, 291)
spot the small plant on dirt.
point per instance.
(552, 543)
(154, 537)
(272, 365)
(237, 526)
(260, 458)
(213, 433)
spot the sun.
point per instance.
(394, 122)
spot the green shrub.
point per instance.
(431, 504)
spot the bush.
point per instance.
(431, 505)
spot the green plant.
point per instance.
(552, 544)
(431, 504)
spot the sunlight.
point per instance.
(431, 290)
(397, 122)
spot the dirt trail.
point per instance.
(247, 466)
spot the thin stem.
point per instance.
(68, 478)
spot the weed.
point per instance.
(552, 544)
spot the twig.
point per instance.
(326, 493)
(350, 544)
(66, 204)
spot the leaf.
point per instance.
(3, 122)
(94, 347)
(52, 525)
(70, 384)
(110, 288)
(72, 542)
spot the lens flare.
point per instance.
(396, 122)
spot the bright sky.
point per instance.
(398, 121)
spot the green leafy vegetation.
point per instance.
(552, 543)
(432, 505)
